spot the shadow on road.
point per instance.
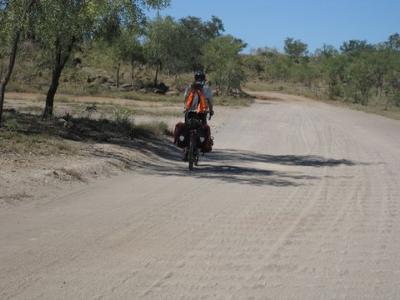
(249, 175)
(230, 166)
(287, 160)
(163, 158)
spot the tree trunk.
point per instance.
(13, 55)
(228, 86)
(10, 68)
(2, 93)
(156, 77)
(59, 64)
(55, 79)
(118, 69)
(387, 103)
(176, 81)
(132, 71)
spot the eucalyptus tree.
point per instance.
(63, 25)
(120, 39)
(126, 48)
(223, 60)
(195, 34)
(13, 19)
(295, 49)
(177, 45)
(394, 42)
(135, 52)
(354, 48)
(162, 44)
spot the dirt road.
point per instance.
(300, 200)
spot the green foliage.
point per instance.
(223, 61)
(355, 47)
(14, 15)
(295, 48)
(123, 122)
(11, 125)
(176, 46)
(358, 72)
(121, 115)
(162, 46)
(256, 64)
(334, 68)
(327, 51)
(361, 76)
(305, 73)
(195, 34)
(394, 42)
(278, 67)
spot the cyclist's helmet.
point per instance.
(199, 76)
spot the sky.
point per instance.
(265, 23)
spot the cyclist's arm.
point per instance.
(209, 97)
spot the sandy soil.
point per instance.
(300, 200)
(28, 178)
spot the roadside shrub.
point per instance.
(122, 119)
(152, 128)
(358, 72)
(11, 124)
(121, 115)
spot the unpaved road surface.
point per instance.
(300, 200)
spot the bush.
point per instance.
(361, 72)
(152, 128)
(122, 119)
(222, 59)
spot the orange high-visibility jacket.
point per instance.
(202, 106)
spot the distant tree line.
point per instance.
(356, 72)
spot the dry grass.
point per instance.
(35, 144)
(20, 135)
(70, 96)
(28, 134)
(72, 174)
(393, 113)
(152, 128)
